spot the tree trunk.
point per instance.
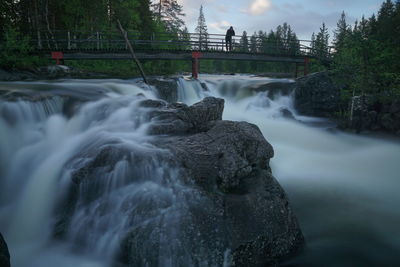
(48, 24)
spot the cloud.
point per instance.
(258, 7)
(220, 26)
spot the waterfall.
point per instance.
(343, 187)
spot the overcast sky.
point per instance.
(304, 16)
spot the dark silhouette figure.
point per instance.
(228, 38)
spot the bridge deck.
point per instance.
(177, 55)
(169, 46)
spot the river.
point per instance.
(342, 187)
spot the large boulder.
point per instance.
(218, 203)
(4, 254)
(370, 114)
(246, 210)
(317, 95)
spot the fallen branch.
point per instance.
(123, 32)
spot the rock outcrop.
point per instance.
(370, 115)
(4, 253)
(225, 207)
(317, 95)
(50, 72)
(167, 88)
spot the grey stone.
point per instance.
(4, 253)
(317, 95)
(178, 118)
(167, 89)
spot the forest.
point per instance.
(365, 56)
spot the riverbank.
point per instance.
(51, 72)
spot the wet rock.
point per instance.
(17, 75)
(276, 88)
(4, 253)
(286, 113)
(227, 166)
(167, 89)
(221, 157)
(178, 118)
(219, 201)
(317, 95)
(373, 115)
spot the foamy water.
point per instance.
(343, 187)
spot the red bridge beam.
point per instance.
(195, 64)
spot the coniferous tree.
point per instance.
(170, 13)
(341, 32)
(322, 42)
(201, 30)
(313, 43)
(253, 43)
(244, 42)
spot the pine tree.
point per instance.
(322, 42)
(244, 42)
(385, 21)
(341, 32)
(262, 41)
(170, 13)
(185, 37)
(253, 43)
(202, 31)
(312, 44)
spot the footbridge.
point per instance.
(111, 45)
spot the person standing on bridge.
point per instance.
(228, 38)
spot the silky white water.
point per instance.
(342, 187)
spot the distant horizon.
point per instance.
(305, 17)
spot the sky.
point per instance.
(305, 16)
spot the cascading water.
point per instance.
(343, 187)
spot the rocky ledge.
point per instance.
(4, 254)
(231, 208)
(317, 95)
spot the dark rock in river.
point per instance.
(178, 118)
(276, 88)
(4, 254)
(167, 89)
(317, 95)
(227, 206)
(246, 211)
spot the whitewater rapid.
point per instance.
(342, 187)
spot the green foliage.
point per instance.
(14, 51)
(169, 12)
(320, 42)
(367, 58)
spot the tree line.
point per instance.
(367, 54)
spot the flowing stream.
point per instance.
(342, 187)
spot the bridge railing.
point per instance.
(113, 41)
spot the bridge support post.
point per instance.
(306, 65)
(58, 56)
(195, 64)
(195, 68)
